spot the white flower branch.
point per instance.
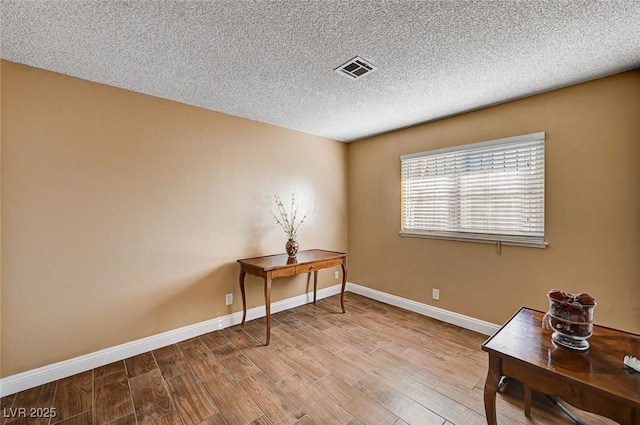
(287, 219)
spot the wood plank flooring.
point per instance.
(376, 364)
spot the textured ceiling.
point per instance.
(273, 61)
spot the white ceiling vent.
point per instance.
(355, 68)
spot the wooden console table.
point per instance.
(594, 380)
(273, 266)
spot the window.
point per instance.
(486, 192)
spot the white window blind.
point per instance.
(489, 192)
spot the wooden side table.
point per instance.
(594, 380)
(273, 266)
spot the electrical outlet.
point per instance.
(228, 299)
(435, 294)
(335, 275)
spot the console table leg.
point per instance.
(344, 284)
(267, 303)
(315, 285)
(491, 388)
(244, 300)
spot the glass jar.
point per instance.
(571, 322)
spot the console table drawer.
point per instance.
(314, 267)
(283, 272)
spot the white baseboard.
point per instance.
(32, 378)
(447, 316)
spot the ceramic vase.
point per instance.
(292, 248)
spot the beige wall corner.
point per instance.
(123, 214)
(592, 209)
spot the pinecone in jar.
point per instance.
(570, 311)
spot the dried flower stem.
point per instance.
(287, 219)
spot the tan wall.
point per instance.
(592, 209)
(123, 214)
(0, 221)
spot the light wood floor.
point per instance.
(376, 364)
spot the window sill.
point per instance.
(486, 239)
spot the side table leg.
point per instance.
(267, 303)
(491, 388)
(527, 400)
(244, 299)
(344, 284)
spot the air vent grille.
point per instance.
(355, 68)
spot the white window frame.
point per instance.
(520, 158)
